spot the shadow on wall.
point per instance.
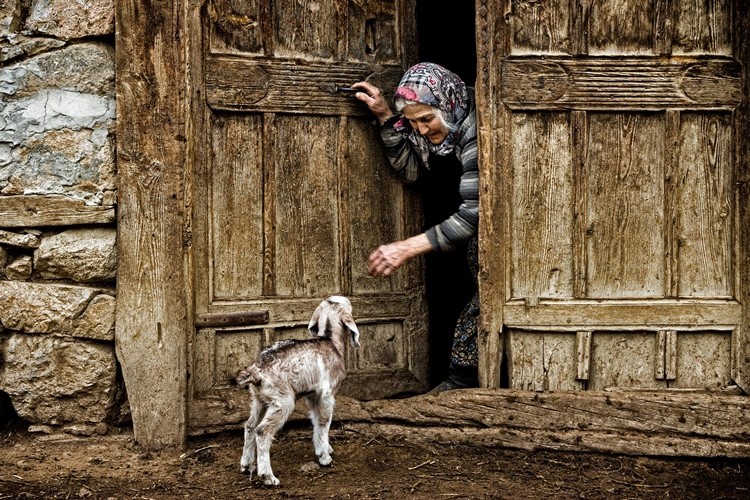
(9, 419)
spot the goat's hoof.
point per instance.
(270, 480)
(246, 469)
(325, 460)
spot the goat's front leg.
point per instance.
(276, 415)
(257, 411)
(321, 414)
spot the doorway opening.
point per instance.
(446, 34)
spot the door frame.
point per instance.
(153, 241)
(156, 126)
(154, 313)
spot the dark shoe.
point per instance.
(460, 377)
(463, 376)
(446, 385)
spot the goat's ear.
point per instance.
(313, 327)
(319, 320)
(348, 321)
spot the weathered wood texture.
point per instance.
(293, 191)
(39, 211)
(291, 86)
(639, 423)
(617, 141)
(492, 257)
(625, 197)
(741, 160)
(152, 315)
(541, 224)
(624, 84)
(664, 423)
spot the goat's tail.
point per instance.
(248, 376)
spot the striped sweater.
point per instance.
(405, 160)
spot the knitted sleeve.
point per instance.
(462, 225)
(401, 155)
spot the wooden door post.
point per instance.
(152, 313)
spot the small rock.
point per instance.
(309, 467)
(41, 429)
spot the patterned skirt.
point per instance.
(464, 351)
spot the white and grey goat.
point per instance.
(312, 369)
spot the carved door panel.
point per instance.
(613, 244)
(292, 191)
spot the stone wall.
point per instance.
(57, 263)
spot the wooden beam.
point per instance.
(291, 85)
(673, 423)
(668, 423)
(591, 83)
(153, 318)
(631, 315)
(366, 308)
(39, 211)
(492, 118)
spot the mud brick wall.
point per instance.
(58, 369)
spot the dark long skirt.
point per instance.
(464, 352)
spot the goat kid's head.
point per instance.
(333, 309)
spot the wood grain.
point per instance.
(622, 83)
(291, 85)
(625, 201)
(235, 187)
(307, 253)
(39, 211)
(666, 423)
(703, 188)
(152, 313)
(542, 220)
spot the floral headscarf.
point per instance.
(433, 85)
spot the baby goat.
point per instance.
(311, 369)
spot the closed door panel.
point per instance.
(621, 261)
(292, 191)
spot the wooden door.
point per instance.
(614, 212)
(291, 191)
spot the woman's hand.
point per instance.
(387, 258)
(373, 97)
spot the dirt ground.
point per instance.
(367, 465)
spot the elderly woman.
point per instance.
(436, 116)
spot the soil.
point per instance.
(367, 465)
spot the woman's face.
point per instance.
(424, 120)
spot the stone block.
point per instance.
(57, 115)
(19, 268)
(20, 240)
(72, 19)
(44, 308)
(81, 255)
(55, 380)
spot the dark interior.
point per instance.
(446, 37)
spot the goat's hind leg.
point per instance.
(321, 414)
(257, 411)
(276, 415)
